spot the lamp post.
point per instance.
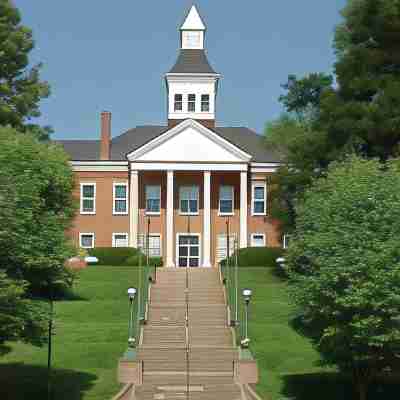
(49, 343)
(247, 293)
(281, 262)
(131, 338)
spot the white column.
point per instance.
(207, 220)
(170, 219)
(243, 209)
(134, 209)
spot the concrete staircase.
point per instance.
(187, 349)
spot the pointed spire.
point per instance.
(193, 21)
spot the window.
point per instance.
(191, 39)
(88, 198)
(154, 244)
(178, 102)
(189, 200)
(259, 199)
(86, 240)
(153, 199)
(120, 240)
(120, 198)
(205, 102)
(191, 102)
(286, 240)
(226, 194)
(222, 246)
(258, 240)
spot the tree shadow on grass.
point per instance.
(333, 386)
(20, 381)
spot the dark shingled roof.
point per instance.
(192, 62)
(244, 138)
(250, 142)
(81, 150)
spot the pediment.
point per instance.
(189, 142)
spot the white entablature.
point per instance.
(189, 142)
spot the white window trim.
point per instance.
(203, 102)
(198, 201)
(82, 198)
(119, 234)
(87, 234)
(255, 185)
(189, 101)
(152, 212)
(153, 234)
(286, 236)
(252, 239)
(181, 102)
(223, 214)
(177, 249)
(120, 198)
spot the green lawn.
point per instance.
(287, 362)
(91, 335)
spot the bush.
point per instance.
(257, 257)
(113, 255)
(122, 256)
(134, 261)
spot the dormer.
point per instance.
(192, 83)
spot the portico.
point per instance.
(201, 222)
(190, 148)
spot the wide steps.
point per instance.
(209, 365)
(197, 392)
(161, 335)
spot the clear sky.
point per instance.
(112, 55)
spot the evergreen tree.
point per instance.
(360, 114)
(20, 87)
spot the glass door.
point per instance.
(189, 251)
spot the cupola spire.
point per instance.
(193, 30)
(193, 21)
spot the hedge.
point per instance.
(257, 257)
(134, 261)
(114, 255)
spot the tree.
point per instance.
(344, 267)
(301, 143)
(20, 87)
(363, 111)
(36, 209)
(20, 317)
(360, 114)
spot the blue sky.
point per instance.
(112, 55)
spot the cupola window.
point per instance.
(192, 103)
(205, 103)
(178, 102)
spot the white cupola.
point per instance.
(192, 83)
(192, 31)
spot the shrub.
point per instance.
(134, 261)
(257, 257)
(113, 255)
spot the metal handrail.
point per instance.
(230, 277)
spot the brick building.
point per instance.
(184, 183)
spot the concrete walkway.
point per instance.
(187, 347)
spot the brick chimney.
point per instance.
(105, 139)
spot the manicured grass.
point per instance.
(90, 336)
(288, 364)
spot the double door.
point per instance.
(188, 251)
